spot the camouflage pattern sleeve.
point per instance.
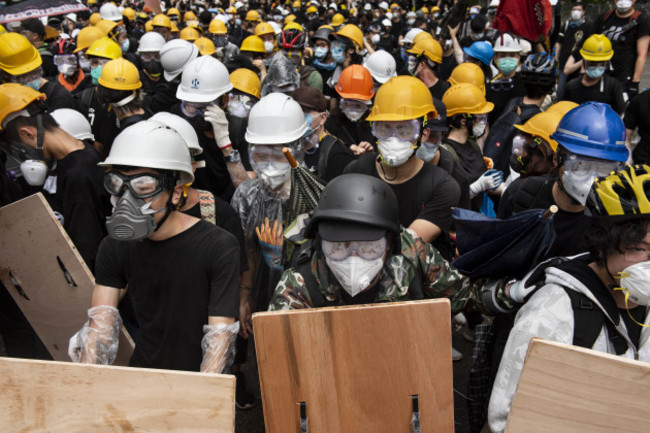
(290, 293)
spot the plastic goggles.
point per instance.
(367, 250)
(262, 157)
(142, 185)
(406, 130)
(247, 100)
(97, 61)
(149, 56)
(353, 105)
(583, 167)
(502, 85)
(65, 59)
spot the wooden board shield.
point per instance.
(62, 397)
(571, 389)
(356, 367)
(46, 276)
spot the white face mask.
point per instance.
(427, 151)
(276, 175)
(395, 152)
(479, 129)
(578, 188)
(238, 109)
(268, 47)
(67, 70)
(576, 15)
(354, 273)
(634, 282)
(34, 171)
(375, 38)
(353, 115)
(623, 5)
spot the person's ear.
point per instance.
(28, 135)
(178, 192)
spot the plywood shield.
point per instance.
(58, 397)
(566, 388)
(355, 368)
(46, 276)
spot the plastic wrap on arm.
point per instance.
(218, 346)
(97, 342)
(281, 73)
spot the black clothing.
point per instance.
(500, 91)
(132, 120)
(236, 130)
(571, 37)
(570, 227)
(102, 122)
(57, 96)
(438, 90)
(470, 158)
(444, 69)
(176, 284)
(349, 132)
(448, 164)
(338, 157)
(607, 90)
(163, 97)
(47, 57)
(636, 116)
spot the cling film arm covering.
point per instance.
(97, 342)
(218, 346)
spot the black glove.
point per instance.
(632, 89)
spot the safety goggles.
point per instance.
(502, 85)
(97, 61)
(247, 100)
(262, 156)
(353, 105)
(142, 185)
(584, 167)
(65, 59)
(149, 56)
(406, 130)
(292, 54)
(521, 140)
(367, 250)
(26, 78)
(193, 109)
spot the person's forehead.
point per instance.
(136, 170)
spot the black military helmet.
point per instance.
(322, 33)
(355, 207)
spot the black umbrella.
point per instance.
(491, 247)
(305, 190)
(39, 8)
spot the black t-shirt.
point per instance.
(349, 132)
(623, 42)
(570, 227)
(338, 157)
(429, 195)
(607, 90)
(500, 91)
(444, 69)
(572, 38)
(438, 90)
(636, 116)
(448, 164)
(82, 200)
(470, 158)
(102, 122)
(57, 96)
(176, 284)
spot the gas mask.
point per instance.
(355, 273)
(394, 151)
(479, 125)
(132, 218)
(33, 165)
(271, 165)
(153, 68)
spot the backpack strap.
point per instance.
(325, 146)
(208, 209)
(303, 266)
(87, 96)
(449, 148)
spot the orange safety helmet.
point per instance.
(355, 82)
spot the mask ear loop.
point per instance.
(627, 295)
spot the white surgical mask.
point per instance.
(395, 152)
(479, 128)
(375, 38)
(578, 188)
(238, 109)
(353, 115)
(576, 15)
(268, 47)
(427, 151)
(67, 70)
(320, 52)
(276, 174)
(634, 282)
(623, 5)
(354, 273)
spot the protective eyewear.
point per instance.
(583, 167)
(247, 100)
(292, 53)
(502, 85)
(97, 61)
(353, 105)
(65, 59)
(406, 130)
(263, 157)
(149, 56)
(367, 250)
(26, 78)
(142, 185)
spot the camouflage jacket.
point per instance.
(441, 280)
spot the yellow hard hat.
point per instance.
(293, 25)
(542, 125)
(92, 2)
(17, 55)
(2, 29)
(264, 29)
(246, 81)
(289, 19)
(87, 36)
(394, 6)
(173, 11)
(94, 19)
(16, 97)
(468, 73)
(296, 4)
(189, 16)
(435, 9)
(312, 10)
(562, 107)
(231, 10)
(425, 9)
(105, 48)
(120, 74)
(353, 33)
(252, 16)
(402, 98)
(597, 48)
(129, 13)
(465, 98)
(108, 27)
(161, 20)
(148, 26)
(190, 34)
(428, 47)
(51, 33)
(337, 20)
(205, 46)
(217, 27)
(253, 43)
(421, 36)
(174, 28)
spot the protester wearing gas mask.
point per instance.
(32, 140)
(21, 63)
(424, 57)
(612, 278)
(218, 33)
(148, 172)
(595, 84)
(325, 154)
(426, 193)
(151, 69)
(533, 149)
(355, 89)
(71, 76)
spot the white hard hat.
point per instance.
(181, 126)
(474, 10)
(387, 23)
(277, 28)
(408, 37)
(72, 17)
(151, 42)
(506, 43)
(175, 54)
(381, 65)
(367, 7)
(389, 15)
(275, 119)
(204, 80)
(74, 123)
(383, 5)
(526, 47)
(493, 3)
(110, 12)
(151, 144)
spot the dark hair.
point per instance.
(478, 23)
(534, 91)
(10, 131)
(605, 237)
(111, 96)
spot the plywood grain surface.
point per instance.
(357, 367)
(566, 388)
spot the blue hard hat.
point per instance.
(480, 50)
(593, 129)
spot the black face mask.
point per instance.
(153, 67)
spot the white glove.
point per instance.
(97, 342)
(491, 179)
(217, 119)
